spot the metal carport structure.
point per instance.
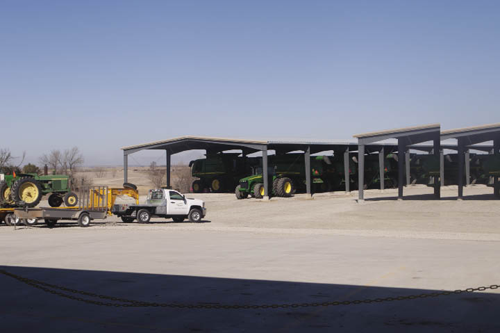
(406, 137)
(466, 137)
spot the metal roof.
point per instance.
(394, 133)
(470, 131)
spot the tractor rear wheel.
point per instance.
(239, 194)
(26, 192)
(55, 200)
(285, 187)
(5, 199)
(197, 186)
(70, 199)
(258, 191)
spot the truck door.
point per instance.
(177, 205)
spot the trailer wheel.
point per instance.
(30, 222)
(55, 200)
(70, 199)
(127, 219)
(285, 187)
(258, 191)
(239, 194)
(195, 215)
(178, 218)
(50, 223)
(143, 216)
(84, 220)
(11, 220)
(26, 192)
(197, 186)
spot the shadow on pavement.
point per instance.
(425, 197)
(25, 308)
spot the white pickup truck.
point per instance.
(163, 203)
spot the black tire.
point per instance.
(197, 186)
(11, 220)
(239, 194)
(30, 222)
(55, 200)
(70, 199)
(127, 219)
(50, 223)
(217, 185)
(275, 185)
(286, 188)
(257, 191)
(178, 218)
(19, 185)
(5, 198)
(143, 216)
(84, 220)
(130, 185)
(195, 215)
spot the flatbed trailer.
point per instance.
(96, 204)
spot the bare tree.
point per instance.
(182, 178)
(155, 175)
(72, 158)
(100, 172)
(5, 157)
(53, 160)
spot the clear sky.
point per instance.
(105, 74)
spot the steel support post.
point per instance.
(401, 168)
(381, 165)
(436, 151)
(307, 157)
(461, 163)
(168, 167)
(347, 178)
(467, 167)
(441, 167)
(496, 147)
(361, 172)
(407, 168)
(265, 173)
(125, 167)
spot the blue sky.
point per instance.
(105, 74)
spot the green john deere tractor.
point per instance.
(26, 190)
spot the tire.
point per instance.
(26, 192)
(258, 191)
(275, 185)
(143, 216)
(55, 200)
(50, 223)
(30, 222)
(5, 197)
(178, 218)
(239, 194)
(84, 220)
(127, 219)
(11, 220)
(217, 185)
(286, 187)
(130, 185)
(195, 215)
(197, 186)
(70, 199)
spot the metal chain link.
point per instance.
(126, 303)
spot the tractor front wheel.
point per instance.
(197, 186)
(239, 194)
(55, 200)
(70, 199)
(26, 192)
(258, 191)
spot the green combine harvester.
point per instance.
(26, 190)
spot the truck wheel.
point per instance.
(84, 220)
(55, 200)
(127, 219)
(5, 197)
(285, 187)
(258, 191)
(178, 218)
(130, 186)
(217, 185)
(239, 194)
(143, 216)
(70, 199)
(26, 192)
(195, 215)
(50, 222)
(197, 186)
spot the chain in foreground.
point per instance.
(126, 303)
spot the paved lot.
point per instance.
(252, 252)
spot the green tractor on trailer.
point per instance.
(26, 190)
